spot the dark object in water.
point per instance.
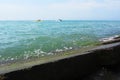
(60, 20)
(38, 20)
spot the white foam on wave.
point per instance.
(39, 52)
(109, 39)
(7, 59)
(35, 53)
(66, 48)
(70, 48)
(26, 56)
(50, 53)
(12, 59)
(58, 50)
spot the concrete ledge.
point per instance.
(70, 68)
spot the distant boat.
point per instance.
(39, 20)
(60, 20)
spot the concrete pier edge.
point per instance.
(73, 67)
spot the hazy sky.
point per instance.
(64, 9)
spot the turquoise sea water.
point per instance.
(25, 39)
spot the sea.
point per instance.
(22, 40)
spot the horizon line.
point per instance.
(62, 19)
